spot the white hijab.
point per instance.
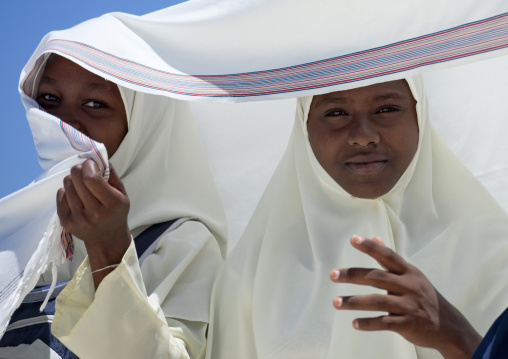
(161, 163)
(273, 297)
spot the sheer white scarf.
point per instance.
(30, 231)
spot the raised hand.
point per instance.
(95, 210)
(416, 310)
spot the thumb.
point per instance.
(115, 181)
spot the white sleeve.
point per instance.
(158, 310)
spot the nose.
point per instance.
(363, 132)
(74, 123)
(68, 116)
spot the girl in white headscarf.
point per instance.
(273, 299)
(113, 306)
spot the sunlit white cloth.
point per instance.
(230, 51)
(264, 49)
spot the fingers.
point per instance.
(366, 276)
(393, 264)
(373, 302)
(71, 195)
(378, 240)
(114, 180)
(397, 319)
(98, 190)
(397, 309)
(413, 306)
(62, 207)
(385, 322)
(85, 193)
(385, 256)
(79, 183)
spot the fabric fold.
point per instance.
(273, 298)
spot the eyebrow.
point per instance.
(328, 100)
(388, 96)
(47, 79)
(92, 86)
(340, 100)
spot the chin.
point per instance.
(367, 192)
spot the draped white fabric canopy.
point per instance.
(241, 50)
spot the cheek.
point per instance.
(110, 132)
(59, 114)
(414, 135)
(326, 143)
(408, 144)
(326, 148)
(122, 131)
(118, 131)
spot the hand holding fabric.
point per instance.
(95, 210)
(416, 310)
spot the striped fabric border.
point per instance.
(462, 41)
(10, 288)
(87, 146)
(28, 84)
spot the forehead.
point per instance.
(396, 90)
(63, 72)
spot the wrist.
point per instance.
(464, 344)
(104, 259)
(106, 253)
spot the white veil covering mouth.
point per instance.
(30, 231)
(273, 298)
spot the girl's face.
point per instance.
(87, 102)
(365, 138)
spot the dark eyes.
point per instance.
(95, 104)
(336, 113)
(52, 99)
(49, 98)
(387, 109)
(339, 112)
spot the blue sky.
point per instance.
(22, 25)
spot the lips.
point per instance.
(366, 164)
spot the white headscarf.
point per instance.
(161, 163)
(273, 297)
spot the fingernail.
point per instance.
(356, 325)
(335, 274)
(358, 239)
(337, 302)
